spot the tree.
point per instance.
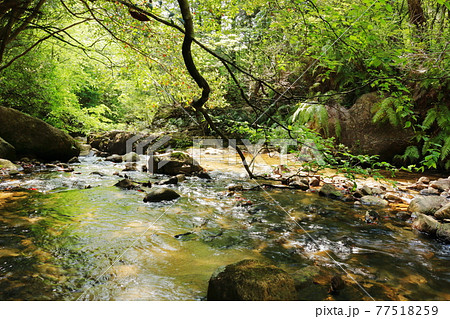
(416, 14)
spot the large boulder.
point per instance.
(442, 184)
(426, 204)
(361, 135)
(443, 212)
(33, 137)
(174, 164)
(7, 150)
(120, 142)
(432, 227)
(251, 280)
(426, 224)
(443, 232)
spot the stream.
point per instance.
(75, 236)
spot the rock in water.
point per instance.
(160, 194)
(130, 167)
(5, 164)
(74, 160)
(169, 181)
(329, 190)
(443, 212)
(371, 217)
(131, 157)
(336, 284)
(426, 204)
(7, 151)
(432, 227)
(126, 184)
(443, 232)
(31, 136)
(373, 201)
(251, 280)
(115, 158)
(442, 184)
(426, 224)
(175, 164)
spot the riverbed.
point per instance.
(75, 236)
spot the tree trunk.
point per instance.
(416, 15)
(199, 79)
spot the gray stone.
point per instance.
(426, 224)
(367, 190)
(299, 182)
(329, 190)
(443, 212)
(174, 164)
(426, 204)
(314, 181)
(417, 186)
(126, 184)
(115, 142)
(299, 185)
(251, 280)
(373, 201)
(443, 232)
(432, 227)
(115, 158)
(442, 184)
(362, 135)
(169, 181)
(429, 192)
(423, 180)
(161, 194)
(393, 197)
(131, 157)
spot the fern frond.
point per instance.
(443, 119)
(446, 148)
(392, 116)
(430, 118)
(386, 110)
(337, 128)
(411, 153)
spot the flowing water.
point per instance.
(77, 236)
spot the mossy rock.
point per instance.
(31, 136)
(329, 190)
(251, 280)
(7, 151)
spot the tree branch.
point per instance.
(40, 41)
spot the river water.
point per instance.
(75, 236)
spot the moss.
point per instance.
(251, 280)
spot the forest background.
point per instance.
(276, 69)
